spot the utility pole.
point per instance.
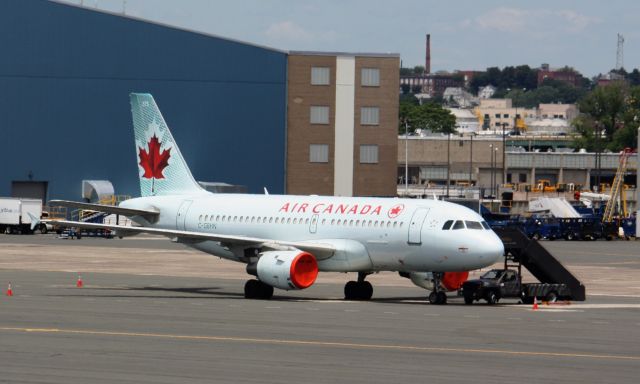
(406, 158)
(448, 162)
(620, 52)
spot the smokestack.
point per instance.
(427, 64)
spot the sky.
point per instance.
(465, 34)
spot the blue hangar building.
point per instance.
(65, 77)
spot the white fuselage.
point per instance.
(371, 234)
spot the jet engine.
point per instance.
(450, 281)
(286, 269)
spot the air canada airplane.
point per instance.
(285, 240)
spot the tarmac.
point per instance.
(152, 311)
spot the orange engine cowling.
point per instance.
(287, 269)
(452, 281)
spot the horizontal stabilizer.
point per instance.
(104, 208)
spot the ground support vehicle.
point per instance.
(16, 213)
(538, 228)
(555, 281)
(501, 283)
(580, 228)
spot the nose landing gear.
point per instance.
(437, 297)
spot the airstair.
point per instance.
(540, 262)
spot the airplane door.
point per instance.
(313, 227)
(415, 225)
(181, 217)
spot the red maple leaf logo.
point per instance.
(153, 162)
(395, 211)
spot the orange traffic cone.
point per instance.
(535, 303)
(79, 283)
(9, 290)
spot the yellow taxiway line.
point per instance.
(316, 343)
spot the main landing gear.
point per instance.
(437, 297)
(358, 290)
(256, 289)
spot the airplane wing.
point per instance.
(319, 250)
(105, 208)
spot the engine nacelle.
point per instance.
(450, 281)
(287, 269)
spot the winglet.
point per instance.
(35, 221)
(265, 191)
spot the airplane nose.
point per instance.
(490, 248)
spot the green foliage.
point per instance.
(519, 77)
(428, 116)
(610, 117)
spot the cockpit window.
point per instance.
(485, 225)
(473, 224)
(459, 224)
(447, 225)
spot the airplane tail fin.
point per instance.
(162, 169)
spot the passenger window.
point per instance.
(473, 225)
(447, 225)
(459, 224)
(485, 225)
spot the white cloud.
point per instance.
(287, 30)
(538, 22)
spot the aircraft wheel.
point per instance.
(256, 289)
(433, 298)
(365, 290)
(442, 298)
(468, 300)
(351, 290)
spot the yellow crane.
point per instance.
(617, 189)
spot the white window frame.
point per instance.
(320, 75)
(319, 114)
(369, 154)
(370, 77)
(370, 115)
(318, 153)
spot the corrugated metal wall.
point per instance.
(65, 77)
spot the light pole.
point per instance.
(406, 158)
(491, 178)
(448, 162)
(504, 151)
(471, 160)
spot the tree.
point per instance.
(610, 114)
(418, 70)
(428, 116)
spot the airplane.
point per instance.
(285, 240)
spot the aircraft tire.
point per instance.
(365, 290)
(351, 290)
(256, 289)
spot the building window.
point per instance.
(497, 115)
(368, 154)
(506, 115)
(369, 116)
(370, 77)
(320, 75)
(319, 153)
(522, 177)
(319, 114)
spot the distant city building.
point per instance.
(565, 74)
(486, 92)
(547, 119)
(456, 96)
(432, 84)
(466, 120)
